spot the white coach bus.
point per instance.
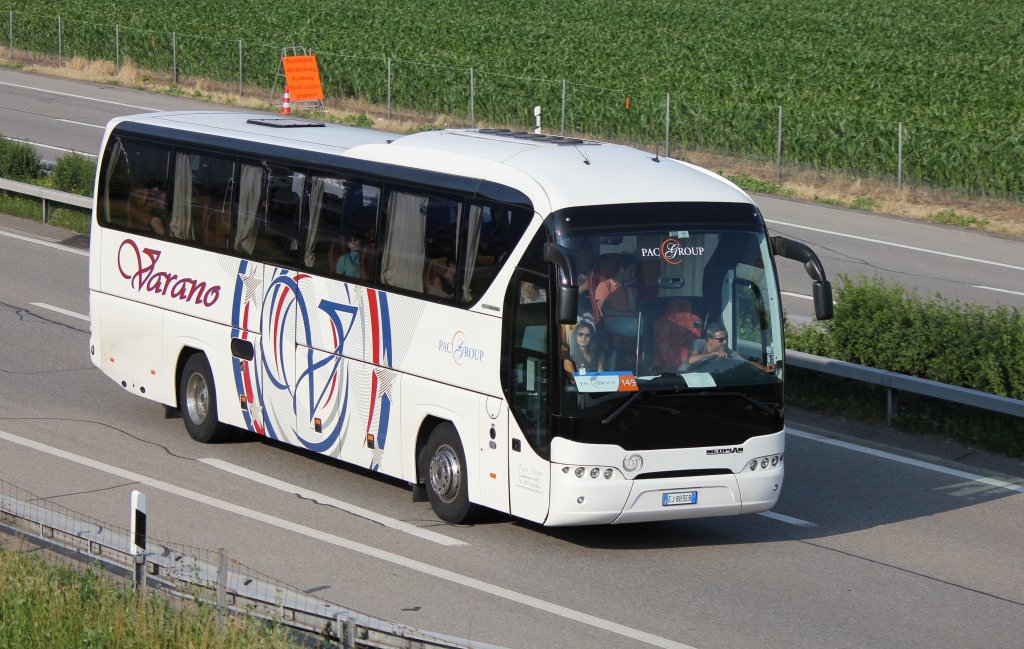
(502, 319)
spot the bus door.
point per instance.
(529, 388)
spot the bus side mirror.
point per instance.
(821, 289)
(567, 293)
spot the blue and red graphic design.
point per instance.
(299, 387)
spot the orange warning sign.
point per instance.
(303, 78)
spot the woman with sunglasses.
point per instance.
(585, 349)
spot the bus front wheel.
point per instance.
(443, 465)
(197, 399)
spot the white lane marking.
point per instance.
(782, 518)
(355, 546)
(802, 297)
(973, 477)
(1001, 290)
(43, 242)
(386, 521)
(71, 121)
(73, 314)
(73, 96)
(50, 146)
(898, 245)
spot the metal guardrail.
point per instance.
(200, 575)
(47, 195)
(894, 383)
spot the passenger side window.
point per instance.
(342, 230)
(421, 242)
(202, 197)
(135, 186)
(270, 200)
(491, 233)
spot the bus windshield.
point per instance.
(678, 313)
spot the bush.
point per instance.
(886, 327)
(74, 173)
(19, 161)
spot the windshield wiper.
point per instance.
(760, 405)
(680, 391)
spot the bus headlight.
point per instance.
(580, 471)
(762, 463)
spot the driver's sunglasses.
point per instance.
(721, 340)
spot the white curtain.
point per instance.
(181, 213)
(250, 191)
(404, 252)
(316, 203)
(472, 241)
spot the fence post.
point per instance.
(668, 121)
(239, 66)
(563, 108)
(472, 90)
(117, 48)
(222, 584)
(899, 157)
(10, 31)
(778, 149)
(60, 43)
(174, 58)
(389, 87)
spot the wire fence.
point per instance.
(907, 154)
(196, 574)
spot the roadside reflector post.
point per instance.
(138, 539)
(536, 113)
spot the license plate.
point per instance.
(678, 498)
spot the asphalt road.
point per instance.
(871, 545)
(876, 541)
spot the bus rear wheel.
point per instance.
(443, 465)
(197, 399)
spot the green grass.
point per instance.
(952, 217)
(845, 73)
(48, 606)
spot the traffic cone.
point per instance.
(286, 104)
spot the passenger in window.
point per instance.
(349, 264)
(674, 333)
(441, 278)
(585, 348)
(146, 209)
(615, 299)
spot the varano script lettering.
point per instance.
(139, 267)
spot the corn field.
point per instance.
(927, 89)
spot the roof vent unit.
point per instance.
(284, 122)
(539, 138)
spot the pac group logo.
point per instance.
(672, 251)
(460, 349)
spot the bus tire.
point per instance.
(443, 465)
(197, 398)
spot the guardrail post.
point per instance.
(222, 584)
(891, 406)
